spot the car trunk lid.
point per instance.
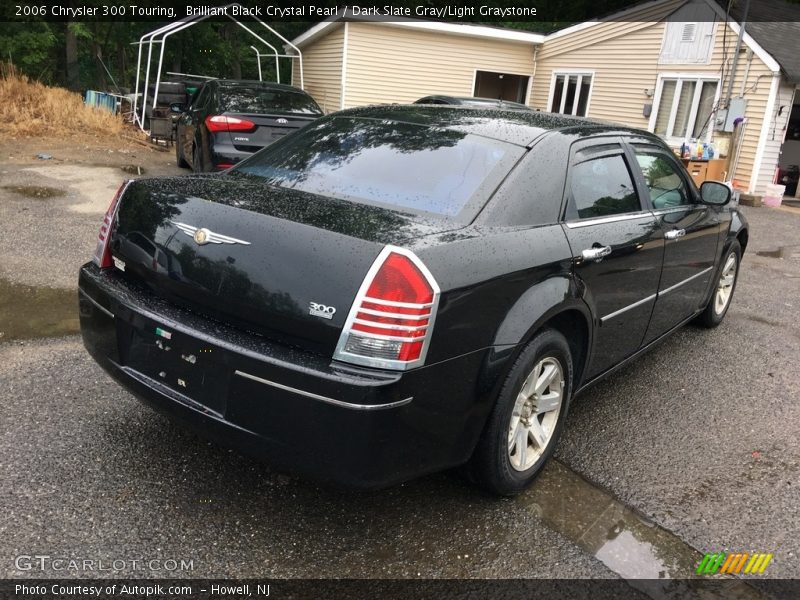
(268, 128)
(282, 263)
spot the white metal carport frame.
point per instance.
(160, 35)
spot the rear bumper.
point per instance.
(226, 154)
(351, 426)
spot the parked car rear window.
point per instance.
(258, 99)
(386, 163)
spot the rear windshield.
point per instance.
(397, 165)
(258, 99)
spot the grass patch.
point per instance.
(30, 108)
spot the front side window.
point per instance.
(397, 165)
(685, 107)
(667, 188)
(602, 187)
(571, 93)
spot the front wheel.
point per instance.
(527, 419)
(720, 301)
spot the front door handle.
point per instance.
(675, 234)
(596, 254)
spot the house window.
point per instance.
(684, 107)
(570, 93)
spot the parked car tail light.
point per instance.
(102, 252)
(216, 123)
(391, 321)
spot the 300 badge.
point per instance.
(316, 309)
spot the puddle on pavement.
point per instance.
(28, 312)
(782, 252)
(133, 169)
(624, 541)
(34, 191)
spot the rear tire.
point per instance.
(179, 159)
(197, 159)
(526, 422)
(720, 301)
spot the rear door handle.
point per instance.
(675, 234)
(596, 254)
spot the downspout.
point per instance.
(533, 76)
(732, 74)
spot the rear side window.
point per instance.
(410, 167)
(200, 99)
(602, 186)
(259, 99)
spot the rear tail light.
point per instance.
(391, 320)
(102, 252)
(216, 123)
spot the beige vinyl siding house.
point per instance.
(394, 64)
(659, 66)
(625, 59)
(322, 67)
(362, 63)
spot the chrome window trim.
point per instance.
(674, 209)
(603, 220)
(325, 399)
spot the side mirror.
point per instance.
(177, 108)
(715, 193)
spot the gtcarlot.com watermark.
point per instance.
(45, 562)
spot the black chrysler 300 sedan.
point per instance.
(397, 290)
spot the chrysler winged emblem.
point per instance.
(203, 236)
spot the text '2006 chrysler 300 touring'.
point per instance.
(397, 290)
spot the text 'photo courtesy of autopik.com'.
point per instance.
(410, 299)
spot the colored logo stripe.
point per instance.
(739, 562)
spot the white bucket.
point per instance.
(774, 194)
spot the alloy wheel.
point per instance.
(535, 414)
(725, 286)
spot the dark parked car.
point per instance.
(398, 290)
(229, 120)
(474, 102)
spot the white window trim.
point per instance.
(567, 72)
(528, 86)
(769, 114)
(681, 77)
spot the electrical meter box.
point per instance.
(726, 117)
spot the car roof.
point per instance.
(470, 100)
(270, 85)
(512, 126)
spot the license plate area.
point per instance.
(181, 362)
